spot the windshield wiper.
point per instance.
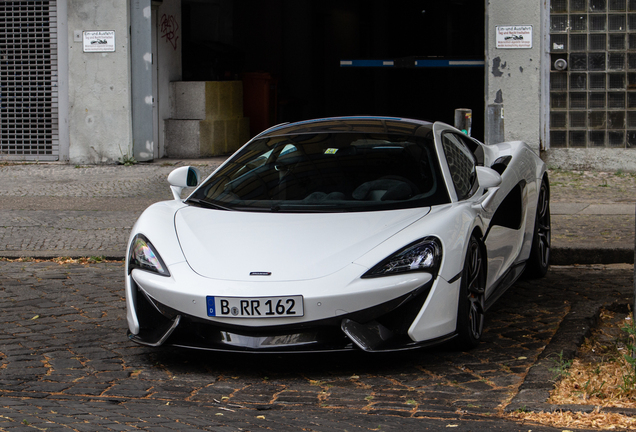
(206, 204)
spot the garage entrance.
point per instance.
(290, 54)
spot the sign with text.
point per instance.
(99, 41)
(510, 37)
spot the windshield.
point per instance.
(327, 172)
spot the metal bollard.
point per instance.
(495, 124)
(464, 120)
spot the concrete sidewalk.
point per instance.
(592, 217)
(51, 210)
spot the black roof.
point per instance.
(372, 125)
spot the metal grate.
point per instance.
(593, 101)
(28, 80)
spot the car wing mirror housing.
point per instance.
(490, 180)
(488, 177)
(181, 178)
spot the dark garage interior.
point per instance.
(288, 53)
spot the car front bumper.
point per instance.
(162, 311)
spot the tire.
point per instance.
(539, 260)
(471, 308)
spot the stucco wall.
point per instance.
(99, 99)
(513, 76)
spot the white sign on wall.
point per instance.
(509, 37)
(99, 41)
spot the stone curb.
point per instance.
(534, 393)
(584, 255)
(74, 254)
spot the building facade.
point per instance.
(93, 81)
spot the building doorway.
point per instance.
(300, 45)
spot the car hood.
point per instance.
(250, 246)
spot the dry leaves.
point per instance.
(567, 419)
(63, 260)
(599, 376)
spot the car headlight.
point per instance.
(142, 255)
(423, 255)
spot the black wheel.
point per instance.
(470, 318)
(539, 260)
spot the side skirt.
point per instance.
(505, 282)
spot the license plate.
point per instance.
(255, 307)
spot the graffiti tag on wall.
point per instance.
(168, 28)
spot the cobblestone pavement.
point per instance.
(94, 181)
(55, 210)
(50, 210)
(65, 233)
(66, 364)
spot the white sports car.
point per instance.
(335, 234)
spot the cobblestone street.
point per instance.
(62, 210)
(65, 363)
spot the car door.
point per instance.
(501, 217)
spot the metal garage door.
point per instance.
(28, 81)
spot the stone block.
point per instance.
(223, 100)
(182, 138)
(188, 100)
(220, 137)
(206, 100)
(238, 131)
(212, 138)
(207, 119)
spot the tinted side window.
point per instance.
(474, 148)
(461, 163)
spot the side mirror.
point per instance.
(487, 177)
(182, 178)
(490, 180)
